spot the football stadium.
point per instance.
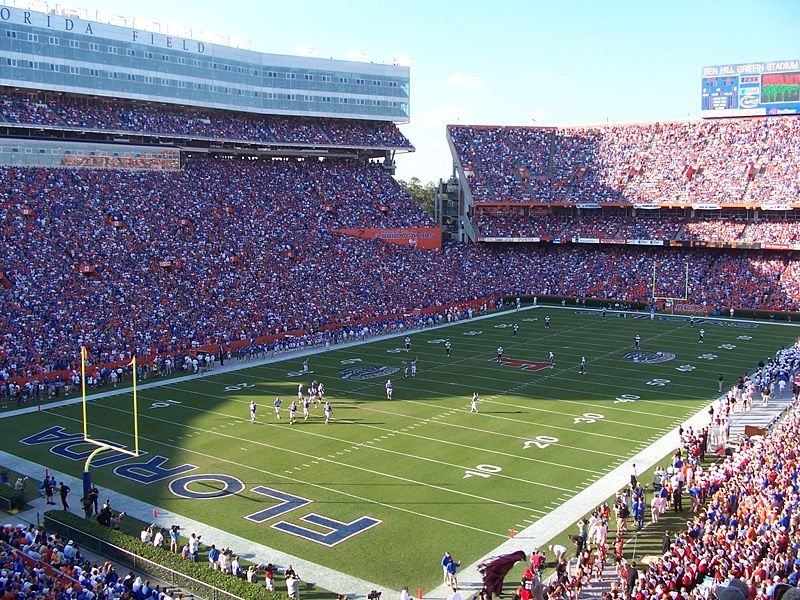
(240, 359)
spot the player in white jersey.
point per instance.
(405, 369)
(582, 367)
(551, 359)
(299, 391)
(515, 329)
(305, 365)
(447, 347)
(277, 405)
(414, 367)
(306, 404)
(327, 410)
(473, 408)
(547, 322)
(389, 389)
(702, 336)
(252, 411)
(637, 342)
(292, 412)
(499, 353)
(408, 344)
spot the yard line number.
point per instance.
(540, 441)
(482, 471)
(588, 418)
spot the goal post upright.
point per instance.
(102, 446)
(684, 298)
(136, 407)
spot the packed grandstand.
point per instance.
(162, 260)
(227, 246)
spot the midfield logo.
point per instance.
(647, 357)
(525, 365)
(363, 372)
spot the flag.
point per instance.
(495, 569)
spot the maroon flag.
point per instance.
(495, 569)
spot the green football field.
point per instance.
(387, 486)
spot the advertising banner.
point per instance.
(427, 238)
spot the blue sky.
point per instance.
(509, 61)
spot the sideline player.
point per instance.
(582, 367)
(252, 411)
(637, 342)
(277, 405)
(551, 359)
(547, 321)
(499, 353)
(408, 344)
(389, 389)
(447, 347)
(473, 407)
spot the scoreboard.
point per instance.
(768, 88)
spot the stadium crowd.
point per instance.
(744, 522)
(231, 249)
(509, 222)
(37, 565)
(73, 112)
(637, 163)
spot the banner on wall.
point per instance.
(427, 238)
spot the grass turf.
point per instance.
(435, 476)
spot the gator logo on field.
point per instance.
(525, 365)
(363, 372)
(648, 358)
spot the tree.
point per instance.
(424, 194)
